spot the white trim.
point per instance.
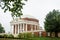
(26, 22)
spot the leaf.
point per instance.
(17, 5)
(52, 22)
(25, 0)
(3, 7)
(5, 10)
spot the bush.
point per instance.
(1, 36)
(5, 35)
(20, 35)
(10, 36)
(24, 35)
(29, 35)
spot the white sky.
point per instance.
(36, 8)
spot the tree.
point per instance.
(52, 22)
(14, 6)
(1, 29)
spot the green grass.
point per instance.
(8, 39)
(45, 38)
(35, 38)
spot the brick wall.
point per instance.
(30, 19)
(44, 34)
(36, 33)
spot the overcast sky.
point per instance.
(36, 8)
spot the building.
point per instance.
(25, 24)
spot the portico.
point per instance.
(22, 27)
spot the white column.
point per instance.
(26, 27)
(18, 28)
(23, 27)
(32, 29)
(12, 28)
(35, 27)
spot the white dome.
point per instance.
(27, 16)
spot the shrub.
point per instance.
(5, 35)
(24, 35)
(20, 35)
(29, 35)
(10, 36)
(1, 36)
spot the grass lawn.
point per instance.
(36, 38)
(45, 38)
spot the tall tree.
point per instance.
(1, 29)
(14, 6)
(52, 22)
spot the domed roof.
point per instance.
(27, 16)
(30, 18)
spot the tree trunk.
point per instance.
(56, 34)
(50, 34)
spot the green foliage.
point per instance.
(29, 35)
(25, 35)
(6, 36)
(10, 36)
(35, 35)
(14, 6)
(39, 38)
(1, 29)
(52, 21)
(20, 35)
(1, 36)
